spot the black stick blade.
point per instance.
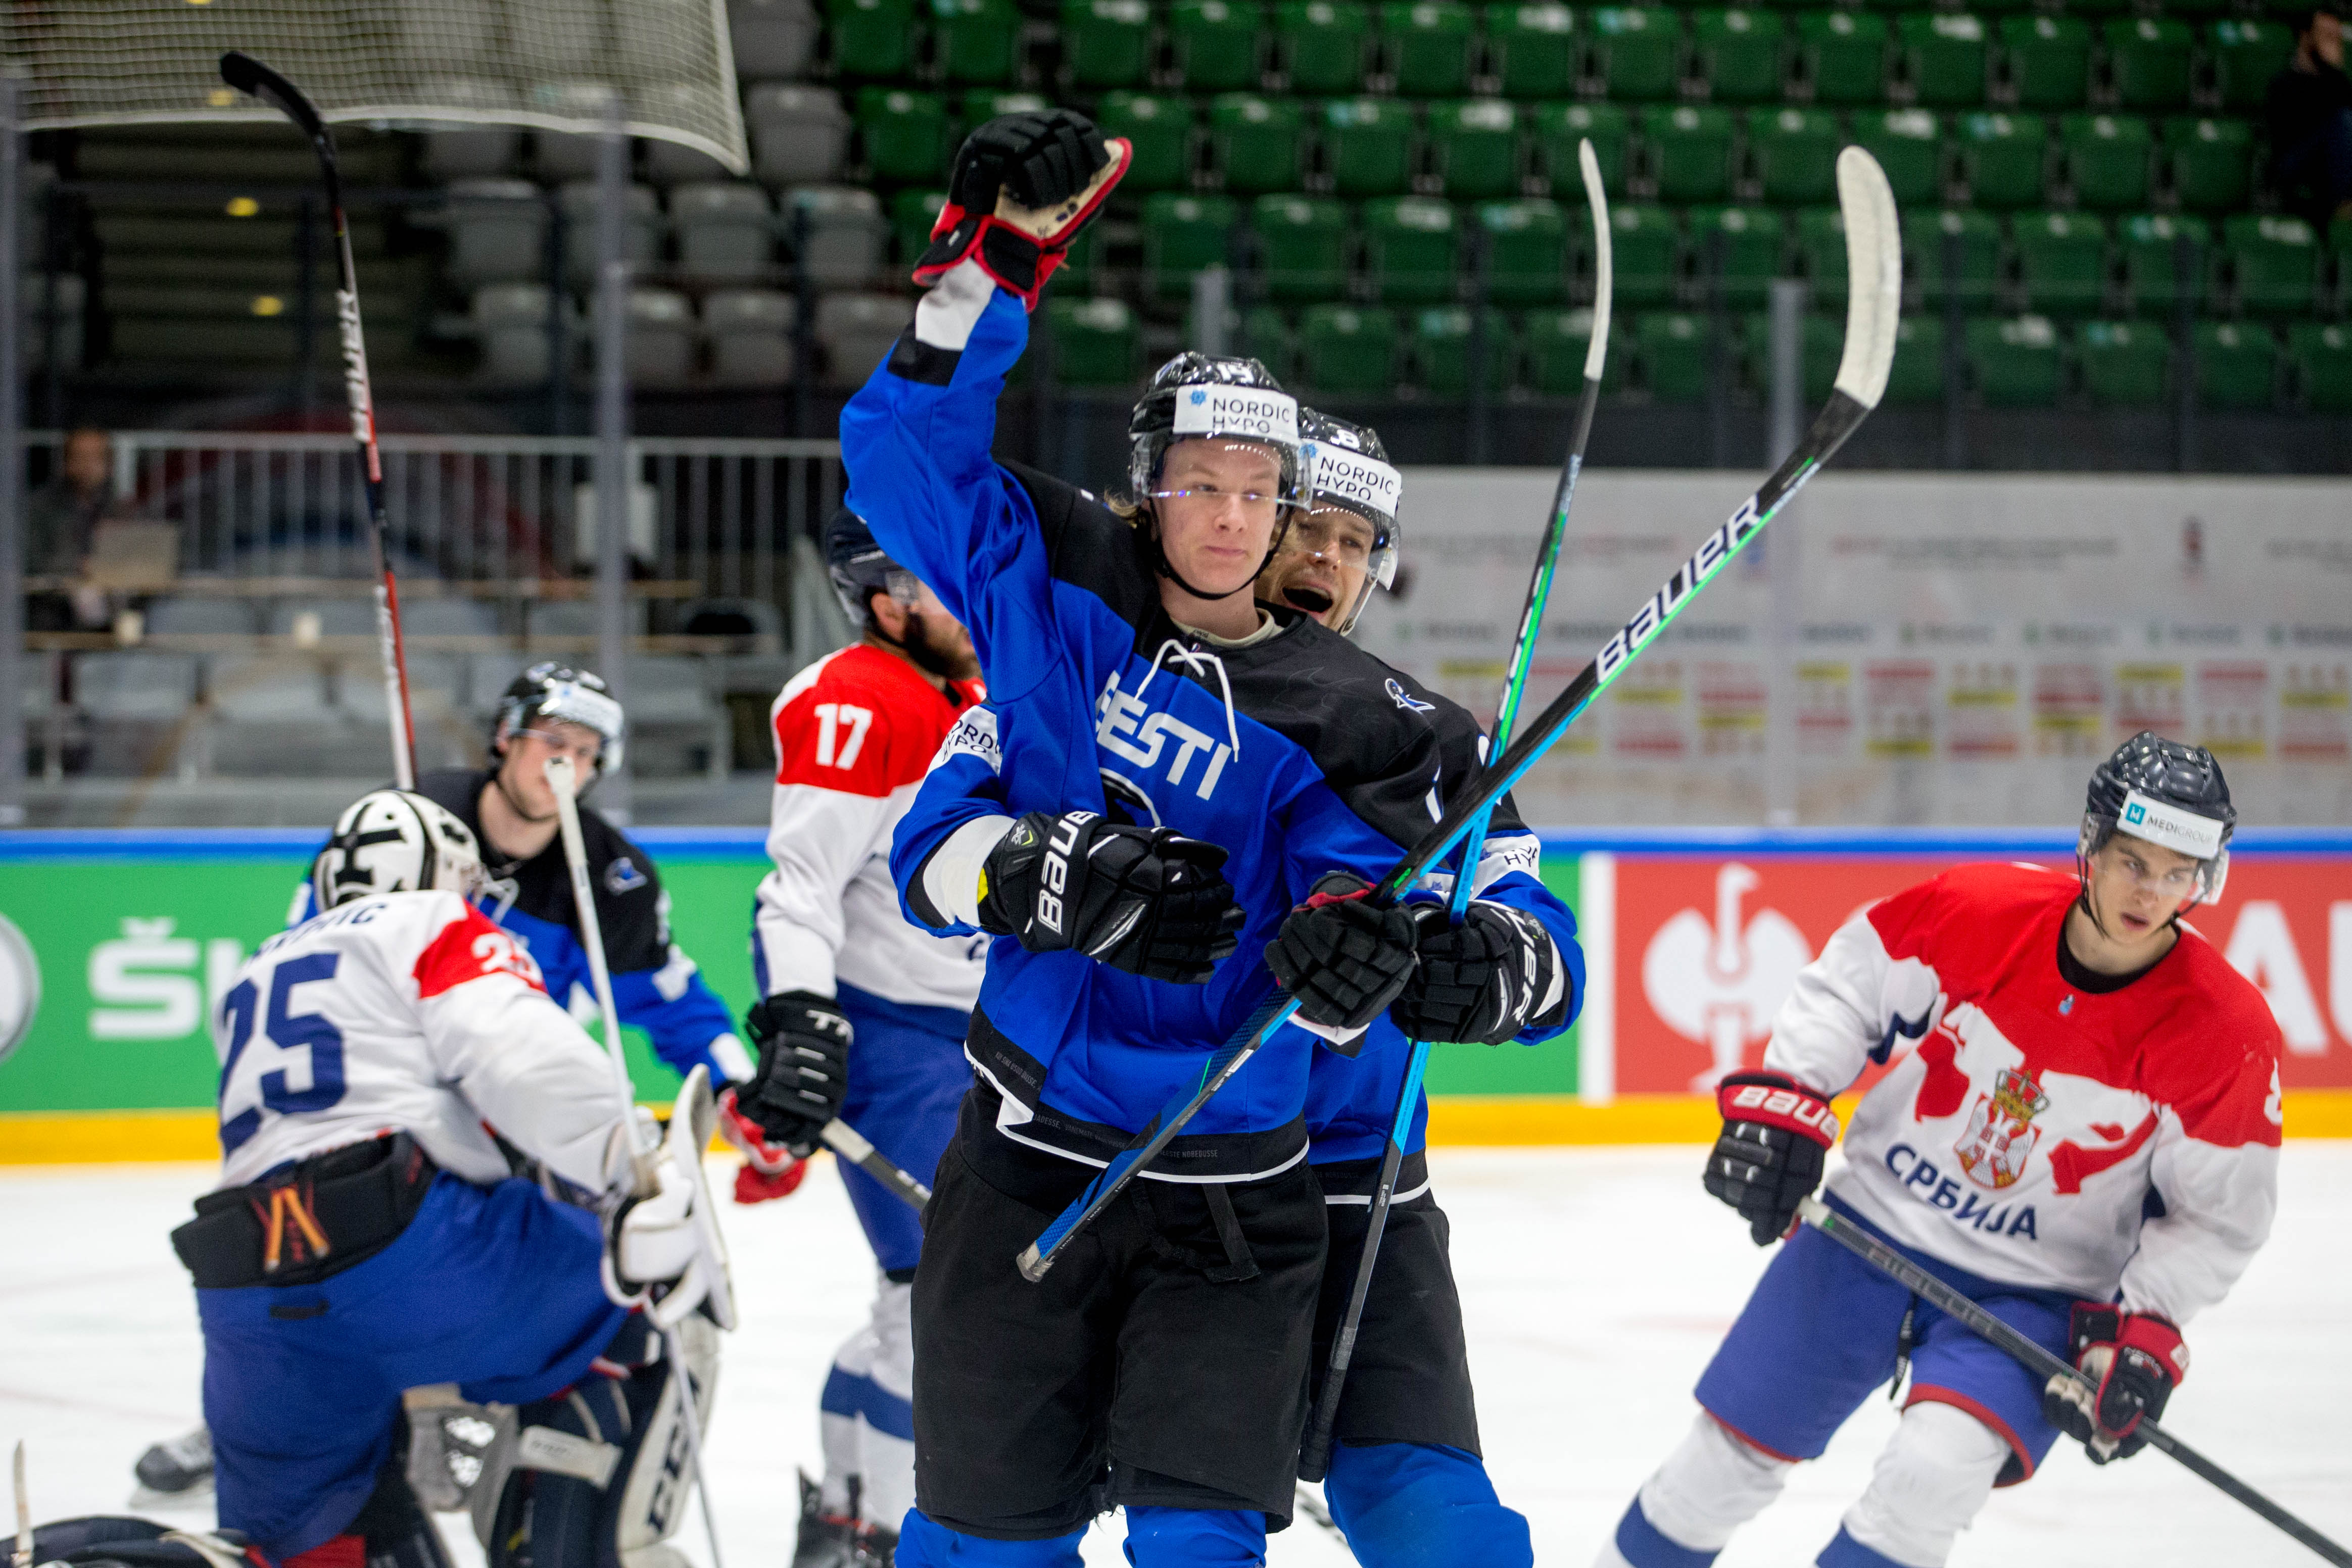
(245, 74)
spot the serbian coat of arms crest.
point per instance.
(2000, 1132)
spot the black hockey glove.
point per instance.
(803, 1040)
(1776, 1137)
(1342, 958)
(2136, 1360)
(1481, 982)
(1024, 185)
(1146, 900)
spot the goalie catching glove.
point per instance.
(1025, 185)
(1481, 982)
(2134, 1360)
(1146, 900)
(802, 1075)
(1776, 1138)
(1343, 958)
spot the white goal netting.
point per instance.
(554, 65)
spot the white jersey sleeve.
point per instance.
(1849, 1007)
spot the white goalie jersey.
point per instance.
(408, 1011)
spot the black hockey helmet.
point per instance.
(557, 691)
(2169, 794)
(1350, 469)
(1215, 398)
(860, 568)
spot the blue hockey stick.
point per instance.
(1873, 300)
(1315, 1456)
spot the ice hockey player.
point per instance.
(2085, 1141)
(863, 1014)
(366, 1236)
(1261, 760)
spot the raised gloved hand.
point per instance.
(768, 1170)
(1776, 1137)
(1481, 982)
(1024, 185)
(803, 1040)
(1343, 959)
(2136, 1360)
(1146, 900)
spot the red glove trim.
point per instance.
(1002, 248)
(2146, 1332)
(1776, 1100)
(769, 1159)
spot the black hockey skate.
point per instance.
(839, 1541)
(176, 1469)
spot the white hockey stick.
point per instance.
(23, 1558)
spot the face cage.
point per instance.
(2212, 875)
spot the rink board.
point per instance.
(1692, 938)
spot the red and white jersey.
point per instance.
(407, 1011)
(2042, 1134)
(856, 732)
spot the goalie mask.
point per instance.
(1198, 397)
(1345, 543)
(2168, 794)
(559, 692)
(393, 840)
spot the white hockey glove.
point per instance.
(663, 1249)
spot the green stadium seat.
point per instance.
(1160, 129)
(1795, 152)
(1927, 238)
(1267, 337)
(1096, 342)
(1845, 56)
(1348, 351)
(1645, 252)
(1636, 48)
(1216, 44)
(1439, 348)
(1257, 142)
(2124, 363)
(2213, 162)
(2003, 157)
(1534, 50)
(871, 39)
(2237, 365)
(1182, 235)
(1903, 141)
(2195, 8)
(1411, 249)
(1322, 44)
(1675, 354)
(1106, 43)
(1820, 237)
(1302, 247)
(2100, 7)
(1944, 53)
(2275, 262)
(2015, 362)
(1560, 126)
(973, 40)
(2107, 158)
(1474, 146)
(2048, 59)
(1739, 52)
(2061, 261)
(1429, 43)
(2148, 57)
(1918, 374)
(1553, 343)
(905, 134)
(1367, 146)
(2149, 243)
(1527, 250)
(1821, 342)
(1745, 243)
(2246, 52)
(2322, 356)
(912, 213)
(1690, 152)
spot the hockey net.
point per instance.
(553, 65)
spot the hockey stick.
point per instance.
(247, 75)
(24, 1557)
(562, 779)
(1875, 266)
(2039, 1361)
(1315, 1458)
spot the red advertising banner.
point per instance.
(1708, 948)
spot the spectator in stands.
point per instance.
(60, 519)
(2310, 112)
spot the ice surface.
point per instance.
(1596, 1282)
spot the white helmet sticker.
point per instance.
(1354, 478)
(571, 701)
(1251, 413)
(2170, 826)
